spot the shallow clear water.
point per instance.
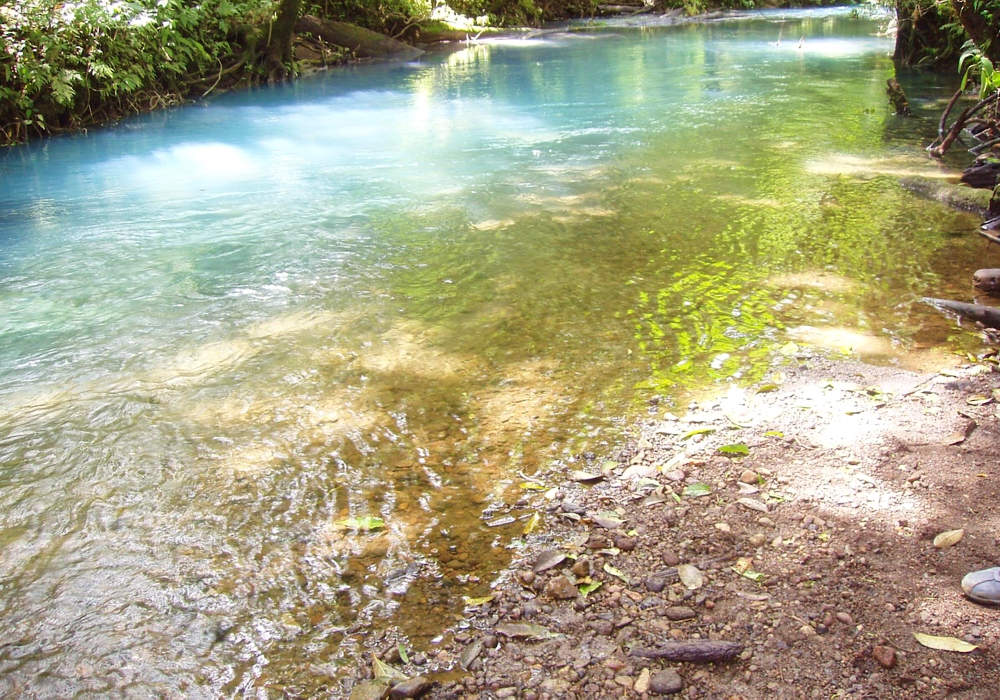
(387, 290)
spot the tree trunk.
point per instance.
(989, 316)
(279, 49)
(362, 42)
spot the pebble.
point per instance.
(666, 682)
(410, 688)
(560, 588)
(671, 559)
(625, 681)
(845, 618)
(655, 584)
(766, 522)
(626, 544)
(679, 613)
(886, 656)
(749, 476)
(642, 682)
(675, 475)
(758, 540)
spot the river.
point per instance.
(409, 292)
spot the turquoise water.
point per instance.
(386, 291)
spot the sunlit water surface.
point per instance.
(387, 290)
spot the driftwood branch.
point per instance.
(947, 113)
(960, 123)
(987, 315)
(692, 651)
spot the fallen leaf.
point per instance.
(548, 559)
(949, 538)
(384, 671)
(586, 477)
(365, 523)
(774, 433)
(697, 431)
(617, 573)
(476, 602)
(588, 588)
(690, 576)
(531, 486)
(743, 564)
(753, 504)
(402, 651)
(944, 643)
(764, 388)
(977, 400)
(532, 523)
(788, 349)
(525, 630)
(697, 490)
(735, 449)
(607, 523)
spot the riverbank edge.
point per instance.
(791, 523)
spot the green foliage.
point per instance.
(973, 63)
(64, 64)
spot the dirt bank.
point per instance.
(814, 549)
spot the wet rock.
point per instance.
(561, 588)
(886, 656)
(666, 682)
(678, 613)
(490, 641)
(526, 577)
(369, 691)
(412, 688)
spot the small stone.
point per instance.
(554, 687)
(724, 527)
(749, 476)
(491, 641)
(807, 631)
(655, 584)
(766, 522)
(671, 559)
(676, 475)
(828, 620)
(886, 656)
(414, 687)
(757, 540)
(626, 544)
(561, 588)
(604, 627)
(526, 577)
(845, 618)
(890, 608)
(624, 681)
(666, 682)
(582, 567)
(679, 613)
(642, 682)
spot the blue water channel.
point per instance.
(384, 292)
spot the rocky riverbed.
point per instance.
(794, 520)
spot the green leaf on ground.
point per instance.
(697, 490)
(366, 523)
(588, 588)
(735, 449)
(697, 431)
(618, 573)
